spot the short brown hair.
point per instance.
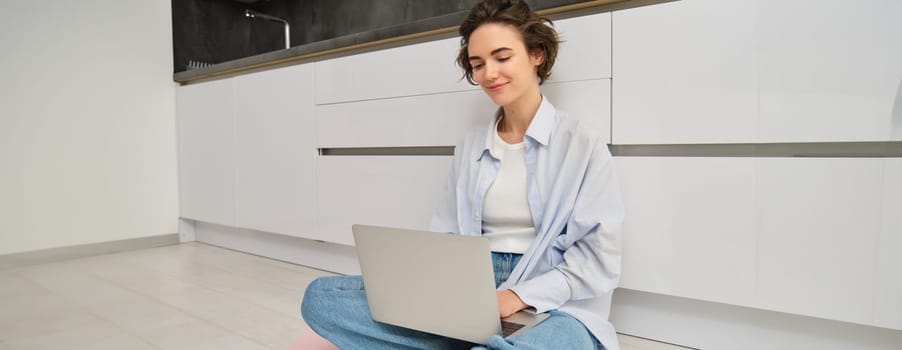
(537, 32)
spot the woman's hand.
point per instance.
(509, 303)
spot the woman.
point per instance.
(538, 184)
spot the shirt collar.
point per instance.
(543, 123)
(539, 129)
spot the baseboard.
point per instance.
(316, 254)
(707, 325)
(36, 257)
(186, 230)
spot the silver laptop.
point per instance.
(434, 282)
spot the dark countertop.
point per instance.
(434, 26)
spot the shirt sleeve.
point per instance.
(590, 243)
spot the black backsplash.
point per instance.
(215, 31)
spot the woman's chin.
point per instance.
(499, 99)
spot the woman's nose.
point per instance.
(491, 71)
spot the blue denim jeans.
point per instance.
(336, 309)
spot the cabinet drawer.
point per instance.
(588, 101)
(691, 227)
(585, 52)
(685, 72)
(829, 70)
(403, 71)
(429, 120)
(713, 71)
(396, 191)
(818, 224)
(443, 119)
(429, 68)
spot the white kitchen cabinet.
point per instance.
(402, 71)
(427, 120)
(588, 100)
(819, 221)
(275, 151)
(585, 52)
(830, 70)
(396, 191)
(206, 146)
(691, 227)
(429, 67)
(895, 7)
(784, 234)
(685, 72)
(736, 71)
(444, 119)
(888, 275)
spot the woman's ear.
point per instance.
(537, 57)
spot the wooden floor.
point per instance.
(188, 296)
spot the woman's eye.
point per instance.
(477, 66)
(502, 59)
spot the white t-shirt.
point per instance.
(506, 218)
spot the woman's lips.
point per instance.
(496, 87)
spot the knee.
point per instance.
(324, 294)
(312, 302)
(317, 286)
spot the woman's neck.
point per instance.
(517, 117)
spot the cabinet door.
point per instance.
(397, 191)
(403, 71)
(685, 72)
(585, 52)
(888, 277)
(690, 229)
(206, 136)
(586, 100)
(819, 219)
(830, 69)
(733, 71)
(276, 151)
(429, 68)
(443, 119)
(427, 120)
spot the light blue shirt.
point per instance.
(574, 263)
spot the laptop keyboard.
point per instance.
(508, 328)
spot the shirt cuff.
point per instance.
(546, 292)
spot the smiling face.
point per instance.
(502, 66)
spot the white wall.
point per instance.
(87, 123)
